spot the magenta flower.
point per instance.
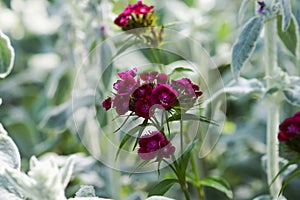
(155, 145)
(144, 91)
(164, 95)
(135, 16)
(142, 108)
(289, 128)
(126, 86)
(121, 103)
(140, 8)
(148, 76)
(162, 79)
(122, 20)
(128, 74)
(107, 103)
(186, 87)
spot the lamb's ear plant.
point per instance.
(275, 22)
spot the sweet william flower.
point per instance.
(164, 95)
(148, 76)
(144, 91)
(136, 15)
(162, 79)
(142, 108)
(155, 145)
(121, 103)
(107, 103)
(289, 128)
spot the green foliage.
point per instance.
(290, 37)
(219, 184)
(162, 187)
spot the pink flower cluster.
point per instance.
(131, 15)
(290, 128)
(151, 90)
(155, 145)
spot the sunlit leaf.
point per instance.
(7, 56)
(245, 44)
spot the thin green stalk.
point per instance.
(185, 190)
(273, 108)
(156, 60)
(181, 136)
(196, 174)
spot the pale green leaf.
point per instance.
(286, 14)
(290, 37)
(86, 191)
(9, 153)
(245, 44)
(7, 56)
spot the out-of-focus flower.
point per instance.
(155, 145)
(162, 79)
(121, 103)
(148, 76)
(164, 95)
(136, 15)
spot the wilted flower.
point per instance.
(162, 79)
(155, 145)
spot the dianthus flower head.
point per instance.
(164, 95)
(289, 128)
(107, 103)
(136, 15)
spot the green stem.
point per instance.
(181, 137)
(156, 60)
(185, 190)
(196, 174)
(273, 108)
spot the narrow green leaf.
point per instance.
(288, 180)
(7, 56)
(180, 70)
(184, 159)
(290, 37)
(144, 124)
(126, 137)
(283, 169)
(106, 62)
(245, 44)
(162, 187)
(188, 116)
(219, 184)
(286, 11)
